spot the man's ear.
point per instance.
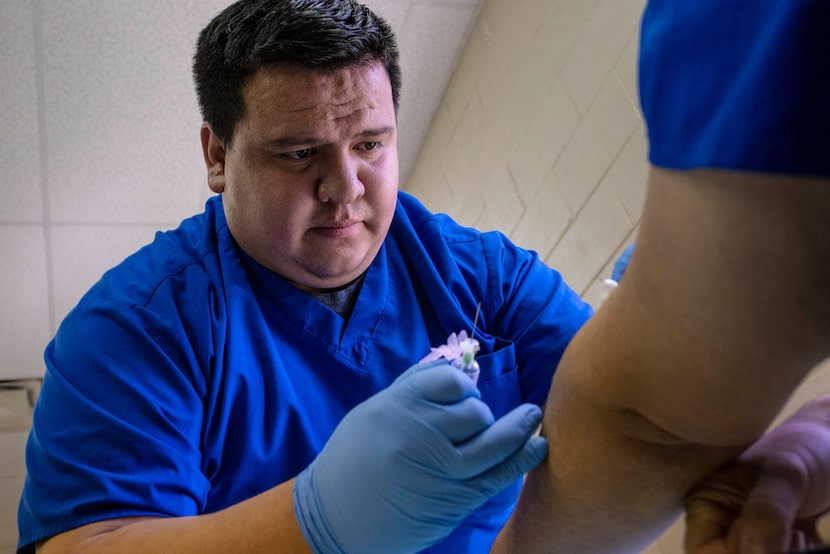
(213, 150)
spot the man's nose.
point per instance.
(339, 183)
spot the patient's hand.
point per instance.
(770, 498)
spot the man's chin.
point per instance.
(323, 279)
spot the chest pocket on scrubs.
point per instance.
(498, 380)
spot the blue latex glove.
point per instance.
(408, 465)
(622, 263)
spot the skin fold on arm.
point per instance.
(722, 312)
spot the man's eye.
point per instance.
(299, 154)
(371, 145)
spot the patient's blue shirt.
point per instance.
(742, 84)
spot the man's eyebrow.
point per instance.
(289, 142)
(387, 130)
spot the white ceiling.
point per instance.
(431, 35)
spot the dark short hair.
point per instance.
(312, 34)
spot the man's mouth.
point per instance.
(339, 229)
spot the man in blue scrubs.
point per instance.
(209, 394)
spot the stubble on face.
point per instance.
(318, 221)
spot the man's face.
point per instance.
(309, 181)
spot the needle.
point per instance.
(475, 320)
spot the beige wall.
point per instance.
(539, 135)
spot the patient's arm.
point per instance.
(723, 310)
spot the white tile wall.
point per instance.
(431, 37)
(544, 138)
(608, 28)
(547, 89)
(122, 125)
(20, 185)
(595, 144)
(24, 296)
(72, 276)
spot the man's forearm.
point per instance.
(264, 523)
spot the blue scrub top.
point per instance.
(742, 84)
(191, 378)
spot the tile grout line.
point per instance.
(40, 86)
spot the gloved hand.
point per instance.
(405, 467)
